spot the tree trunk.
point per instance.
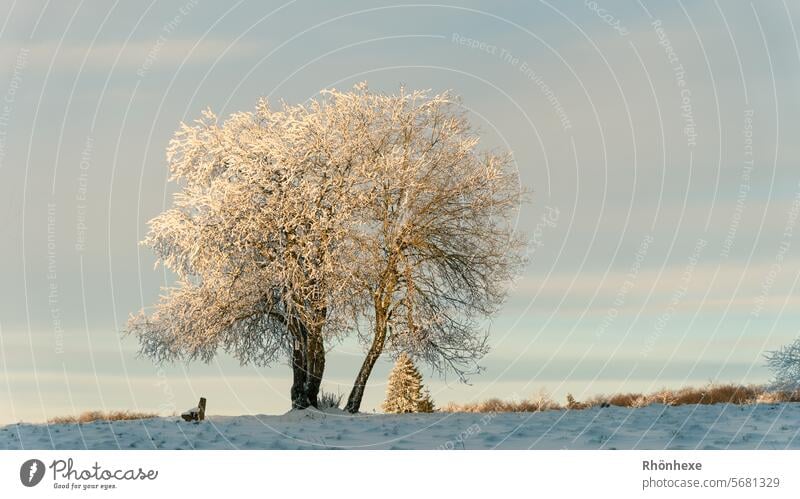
(375, 350)
(298, 391)
(308, 363)
(299, 374)
(315, 366)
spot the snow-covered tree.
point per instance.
(440, 245)
(294, 227)
(404, 392)
(785, 365)
(259, 236)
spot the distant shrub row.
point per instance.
(90, 416)
(709, 394)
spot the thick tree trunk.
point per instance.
(308, 365)
(298, 391)
(375, 350)
(315, 366)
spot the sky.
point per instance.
(658, 140)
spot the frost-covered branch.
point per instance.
(785, 365)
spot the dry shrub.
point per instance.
(772, 398)
(686, 396)
(733, 394)
(709, 394)
(664, 396)
(452, 407)
(574, 405)
(542, 402)
(595, 401)
(329, 400)
(792, 396)
(494, 405)
(627, 400)
(90, 416)
(468, 407)
(778, 397)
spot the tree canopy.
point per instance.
(294, 227)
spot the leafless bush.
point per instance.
(778, 397)
(573, 404)
(90, 416)
(709, 394)
(539, 403)
(329, 400)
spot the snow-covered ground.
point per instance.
(654, 427)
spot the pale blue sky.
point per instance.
(92, 92)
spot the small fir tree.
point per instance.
(405, 392)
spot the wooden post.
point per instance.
(196, 413)
(202, 407)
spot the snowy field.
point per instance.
(655, 427)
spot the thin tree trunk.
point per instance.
(375, 350)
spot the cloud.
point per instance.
(734, 286)
(145, 55)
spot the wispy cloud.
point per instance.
(154, 54)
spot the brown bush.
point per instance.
(90, 416)
(573, 404)
(778, 397)
(732, 394)
(534, 404)
(627, 400)
(595, 401)
(686, 396)
(495, 405)
(541, 403)
(709, 394)
(664, 396)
